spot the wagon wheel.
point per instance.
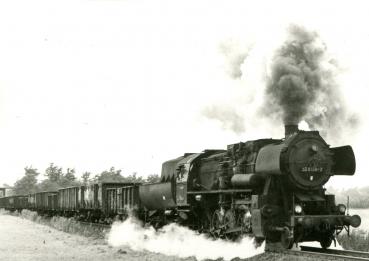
(229, 222)
(216, 223)
(286, 240)
(325, 242)
(204, 224)
(229, 219)
(258, 241)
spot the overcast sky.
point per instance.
(94, 84)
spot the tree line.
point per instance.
(55, 177)
(358, 197)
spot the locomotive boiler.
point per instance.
(269, 188)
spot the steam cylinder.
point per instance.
(247, 180)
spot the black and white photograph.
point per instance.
(172, 130)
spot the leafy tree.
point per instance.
(68, 179)
(152, 178)
(57, 179)
(54, 173)
(86, 177)
(111, 175)
(114, 175)
(28, 183)
(48, 185)
(70, 175)
(133, 178)
(359, 197)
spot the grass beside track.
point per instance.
(64, 224)
(358, 240)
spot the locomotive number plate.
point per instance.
(313, 169)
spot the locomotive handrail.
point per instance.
(228, 191)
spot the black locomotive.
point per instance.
(269, 188)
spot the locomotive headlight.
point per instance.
(298, 209)
(342, 208)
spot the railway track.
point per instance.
(316, 253)
(338, 254)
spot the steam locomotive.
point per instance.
(271, 189)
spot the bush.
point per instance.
(358, 240)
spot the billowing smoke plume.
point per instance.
(174, 240)
(302, 86)
(283, 81)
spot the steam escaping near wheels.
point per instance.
(175, 240)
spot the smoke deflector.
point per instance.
(343, 161)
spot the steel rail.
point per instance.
(323, 256)
(329, 255)
(348, 253)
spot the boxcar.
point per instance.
(46, 201)
(2, 202)
(95, 198)
(14, 202)
(22, 202)
(89, 196)
(32, 201)
(2, 192)
(81, 197)
(122, 200)
(69, 199)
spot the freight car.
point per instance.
(123, 201)
(45, 202)
(98, 202)
(2, 192)
(96, 196)
(13, 203)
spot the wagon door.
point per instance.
(89, 197)
(81, 197)
(120, 204)
(111, 195)
(96, 196)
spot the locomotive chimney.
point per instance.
(290, 129)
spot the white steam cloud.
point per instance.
(175, 240)
(228, 117)
(235, 54)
